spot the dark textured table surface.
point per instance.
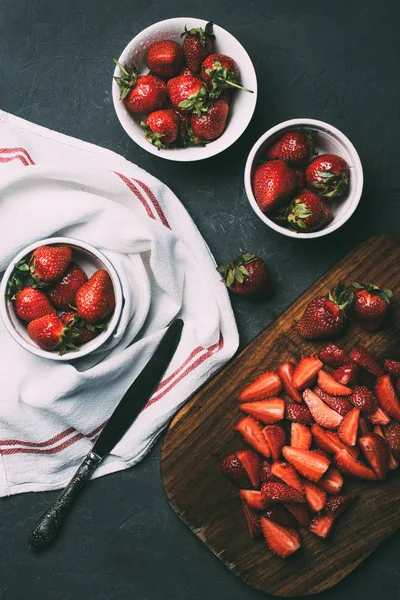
(332, 61)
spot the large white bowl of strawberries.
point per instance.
(304, 178)
(184, 89)
(60, 298)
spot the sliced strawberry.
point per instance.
(364, 399)
(393, 463)
(363, 426)
(306, 372)
(253, 499)
(315, 496)
(379, 417)
(308, 463)
(347, 373)
(387, 397)
(328, 441)
(288, 474)
(327, 383)
(265, 472)
(366, 361)
(323, 415)
(281, 515)
(233, 469)
(276, 438)
(339, 404)
(353, 451)
(273, 493)
(349, 427)
(251, 463)
(251, 431)
(285, 373)
(353, 467)
(322, 525)
(300, 436)
(299, 413)
(282, 541)
(266, 385)
(253, 520)
(300, 512)
(333, 356)
(376, 452)
(392, 367)
(338, 504)
(332, 481)
(392, 436)
(268, 411)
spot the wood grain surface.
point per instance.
(202, 433)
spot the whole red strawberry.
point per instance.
(62, 295)
(325, 315)
(31, 304)
(371, 304)
(83, 332)
(49, 263)
(273, 183)
(161, 127)
(328, 175)
(95, 300)
(165, 58)
(308, 212)
(197, 45)
(219, 72)
(143, 94)
(248, 275)
(50, 333)
(188, 93)
(210, 125)
(295, 147)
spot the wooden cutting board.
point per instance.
(202, 433)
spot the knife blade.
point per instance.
(47, 527)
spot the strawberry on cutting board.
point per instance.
(371, 305)
(325, 315)
(286, 372)
(95, 299)
(267, 411)
(248, 275)
(282, 541)
(267, 385)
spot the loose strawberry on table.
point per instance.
(161, 127)
(165, 58)
(294, 147)
(328, 175)
(273, 184)
(371, 305)
(197, 45)
(141, 94)
(248, 275)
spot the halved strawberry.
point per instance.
(333, 356)
(281, 515)
(392, 436)
(376, 453)
(364, 426)
(251, 463)
(265, 472)
(308, 463)
(379, 417)
(282, 541)
(322, 525)
(306, 371)
(338, 504)
(276, 438)
(347, 373)
(285, 373)
(352, 450)
(251, 431)
(349, 427)
(300, 436)
(288, 474)
(387, 397)
(322, 414)
(300, 512)
(364, 399)
(339, 404)
(253, 498)
(268, 411)
(353, 467)
(332, 481)
(266, 385)
(233, 469)
(366, 361)
(299, 413)
(327, 383)
(253, 520)
(392, 367)
(273, 493)
(329, 441)
(393, 463)
(315, 496)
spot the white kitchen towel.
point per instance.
(51, 412)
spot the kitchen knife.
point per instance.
(141, 390)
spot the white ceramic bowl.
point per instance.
(328, 140)
(90, 259)
(243, 103)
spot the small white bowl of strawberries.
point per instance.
(184, 89)
(60, 298)
(304, 178)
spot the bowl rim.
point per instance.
(179, 155)
(316, 124)
(93, 344)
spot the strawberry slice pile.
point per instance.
(310, 430)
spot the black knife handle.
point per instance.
(46, 529)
